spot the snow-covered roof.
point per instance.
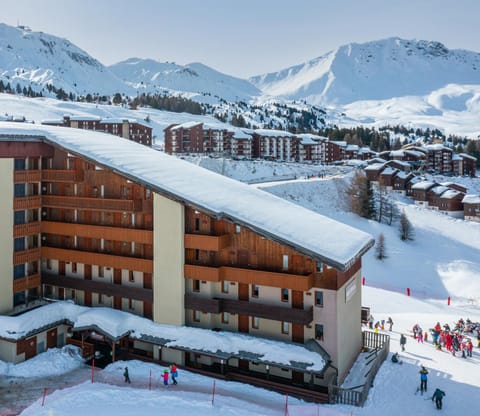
(397, 153)
(439, 190)
(415, 153)
(471, 199)
(314, 137)
(352, 147)
(117, 324)
(365, 149)
(85, 118)
(423, 185)
(122, 120)
(273, 133)
(403, 175)
(340, 143)
(186, 125)
(388, 171)
(400, 163)
(308, 140)
(375, 166)
(332, 242)
(53, 121)
(467, 156)
(437, 146)
(450, 194)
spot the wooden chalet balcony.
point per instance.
(25, 283)
(101, 259)
(25, 256)
(27, 202)
(207, 242)
(108, 289)
(62, 175)
(93, 204)
(27, 176)
(249, 276)
(98, 231)
(30, 228)
(242, 307)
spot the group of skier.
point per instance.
(171, 371)
(457, 340)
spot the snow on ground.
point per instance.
(54, 361)
(442, 260)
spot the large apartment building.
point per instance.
(127, 128)
(137, 230)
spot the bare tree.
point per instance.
(380, 251)
(406, 228)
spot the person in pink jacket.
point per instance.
(165, 377)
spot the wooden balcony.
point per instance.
(26, 176)
(27, 202)
(242, 307)
(108, 289)
(62, 175)
(92, 204)
(106, 260)
(207, 242)
(98, 231)
(22, 230)
(25, 256)
(249, 276)
(26, 283)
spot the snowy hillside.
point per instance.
(375, 70)
(37, 59)
(148, 75)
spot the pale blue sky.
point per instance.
(242, 37)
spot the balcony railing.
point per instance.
(62, 175)
(207, 242)
(26, 256)
(26, 202)
(98, 231)
(94, 204)
(26, 176)
(100, 259)
(22, 230)
(108, 289)
(242, 307)
(249, 276)
(26, 283)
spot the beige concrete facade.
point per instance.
(6, 231)
(168, 260)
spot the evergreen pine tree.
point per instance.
(380, 252)
(406, 228)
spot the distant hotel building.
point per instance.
(127, 128)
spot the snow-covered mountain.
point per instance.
(37, 59)
(152, 76)
(375, 70)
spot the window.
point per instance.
(19, 244)
(19, 217)
(19, 271)
(284, 295)
(225, 317)
(238, 229)
(74, 267)
(72, 294)
(19, 190)
(101, 271)
(285, 262)
(148, 193)
(254, 291)
(196, 316)
(319, 299)
(319, 332)
(285, 328)
(131, 276)
(100, 298)
(197, 255)
(48, 264)
(319, 266)
(19, 164)
(225, 286)
(255, 322)
(197, 224)
(131, 304)
(196, 285)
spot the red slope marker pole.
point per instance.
(213, 392)
(44, 395)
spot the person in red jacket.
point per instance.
(174, 373)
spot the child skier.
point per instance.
(165, 377)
